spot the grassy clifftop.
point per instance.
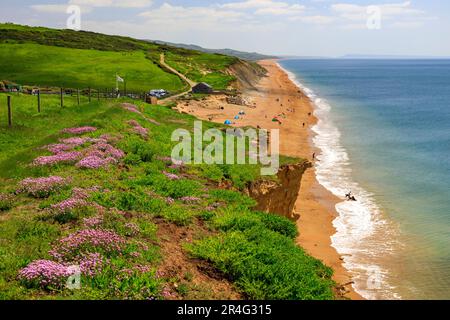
(50, 57)
(137, 225)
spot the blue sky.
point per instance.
(288, 27)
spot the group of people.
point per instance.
(350, 197)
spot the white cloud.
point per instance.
(388, 11)
(113, 3)
(266, 7)
(177, 14)
(88, 5)
(393, 15)
(255, 4)
(319, 20)
(50, 8)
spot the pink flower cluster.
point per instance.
(86, 241)
(77, 201)
(138, 268)
(63, 157)
(80, 130)
(94, 162)
(59, 148)
(131, 107)
(92, 222)
(41, 187)
(143, 132)
(92, 264)
(45, 273)
(132, 229)
(171, 176)
(99, 155)
(68, 205)
(51, 274)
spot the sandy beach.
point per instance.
(277, 96)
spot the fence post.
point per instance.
(39, 100)
(9, 112)
(78, 96)
(89, 93)
(62, 99)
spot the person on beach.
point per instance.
(314, 156)
(350, 197)
(304, 124)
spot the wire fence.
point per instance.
(80, 96)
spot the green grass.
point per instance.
(51, 57)
(255, 250)
(40, 65)
(202, 67)
(259, 253)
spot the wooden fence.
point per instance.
(89, 94)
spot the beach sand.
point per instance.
(277, 96)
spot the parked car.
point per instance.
(158, 93)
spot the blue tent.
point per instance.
(227, 122)
(237, 117)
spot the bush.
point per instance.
(267, 265)
(234, 218)
(6, 202)
(231, 198)
(133, 200)
(171, 188)
(178, 215)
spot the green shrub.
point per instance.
(236, 218)
(266, 265)
(132, 159)
(178, 215)
(134, 200)
(171, 188)
(6, 202)
(231, 198)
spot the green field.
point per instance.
(39, 65)
(202, 67)
(255, 251)
(50, 57)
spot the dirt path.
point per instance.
(191, 83)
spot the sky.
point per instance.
(282, 27)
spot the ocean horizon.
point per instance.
(383, 134)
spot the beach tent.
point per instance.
(237, 117)
(227, 122)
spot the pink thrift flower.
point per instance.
(41, 187)
(79, 130)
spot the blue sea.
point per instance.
(384, 134)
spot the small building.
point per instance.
(202, 87)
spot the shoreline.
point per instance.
(276, 94)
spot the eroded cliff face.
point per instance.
(247, 74)
(279, 197)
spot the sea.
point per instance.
(383, 133)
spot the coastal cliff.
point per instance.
(279, 196)
(247, 74)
